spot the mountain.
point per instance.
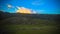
(4, 15)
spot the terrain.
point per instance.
(18, 23)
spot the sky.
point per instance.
(37, 6)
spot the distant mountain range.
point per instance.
(4, 15)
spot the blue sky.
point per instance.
(40, 6)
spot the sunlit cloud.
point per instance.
(25, 10)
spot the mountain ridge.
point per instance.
(4, 15)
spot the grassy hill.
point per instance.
(14, 23)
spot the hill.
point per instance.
(4, 15)
(17, 23)
(19, 17)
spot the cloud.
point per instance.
(34, 12)
(25, 10)
(18, 7)
(9, 6)
(40, 11)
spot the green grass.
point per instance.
(42, 26)
(29, 29)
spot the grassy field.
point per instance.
(29, 29)
(27, 26)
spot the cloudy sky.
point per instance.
(36, 6)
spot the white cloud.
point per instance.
(23, 8)
(34, 12)
(37, 11)
(9, 6)
(18, 7)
